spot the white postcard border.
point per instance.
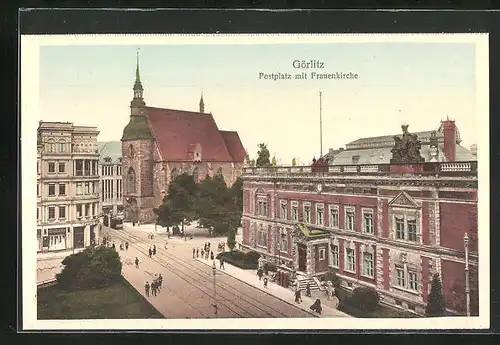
(29, 108)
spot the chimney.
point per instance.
(450, 139)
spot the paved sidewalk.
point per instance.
(287, 295)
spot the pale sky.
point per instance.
(416, 83)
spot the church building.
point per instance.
(159, 143)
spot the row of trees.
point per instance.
(264, 158)
(216, 206)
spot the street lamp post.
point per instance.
(467, 289)
(214, 269)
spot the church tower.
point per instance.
(137, 159)
(202, 104)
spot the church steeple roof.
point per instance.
(137, 84)
(202, 103)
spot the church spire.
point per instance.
(202, 104)
(138, 100)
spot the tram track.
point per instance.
(197, 284)
(168, 260)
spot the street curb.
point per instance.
(260, 289)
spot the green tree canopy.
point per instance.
(273, 161)
(90, 268)
(435, 302)
(179, 205)
(263, 156)
(231, 239)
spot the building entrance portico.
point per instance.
(310, 250)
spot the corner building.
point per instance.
(390, 227)
(158, 144)
(68, 206)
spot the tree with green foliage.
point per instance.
(435, 301)
(332, 276)
(165, 215)
(180, 201)
(231, 239)
(273, 161)
(252, 162)
(94, 267)
(294, 162)
(263, 156)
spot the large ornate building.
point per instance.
(387, 226)
(68, 204)
(110, 161)
(158, 144)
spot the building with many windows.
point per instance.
(110, 161)
(387, 226)
(68, 201)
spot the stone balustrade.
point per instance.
(427, 168)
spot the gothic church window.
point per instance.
(131, 151)
(131, 180)
(219, 172)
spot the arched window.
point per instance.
(131, 181)
(174, 173)
(195, 175)
(219, 172)
(131, 150)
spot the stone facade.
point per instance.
(68, 194)
(406, 245)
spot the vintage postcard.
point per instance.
(255, 182)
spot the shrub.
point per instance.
(269, 267)
(435, 302)
(238, 259)
(90, 268)
(331, 275)
(231, 239)
(252, 257)
(364, 298)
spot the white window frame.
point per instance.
(304, 206)
(398, 277)
(333, 223)
(335, 256)
(59, 212)
(283, 209)
(347, 250)
(59, 165)
(295, 207)
(322, 254)
(366, 211)
(320, 209)
(407, 237)
(368, 272)
(407, 219)
(283, 239)
(350, 209)
(399, 219)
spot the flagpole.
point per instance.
(320, 128)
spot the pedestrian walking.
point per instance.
(114, 246)
(136, 262)
(126, 245)
(212, 256)
(160, 280)
(194, 253)
(329, 291)
(154, 249)
(150, 252)
(316, 306)
(265, 282)
(222, 263)
(153, 288)
(298, 298)
(202, 253)
(197, 253)
(166, 244)
(260, 272)
(308, 290)
(146, 288)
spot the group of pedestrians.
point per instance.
(152, 251)
(155, 287)
(221, 247)
(205, 252)
(123, 245)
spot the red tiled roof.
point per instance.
(177, 131)
(234, 145)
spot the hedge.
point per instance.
(239, 259)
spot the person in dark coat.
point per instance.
(265, 282)
(146, 288)
(126, 245)
(202, 253)
(317, 306)
(150, 252)
(298, 298)
(197, 253)
(136, 262)
(308, 290)
(154, 249)
(153, 288)
(114, 246)
(194, 253)
(222, 263)
(211, 255)
(160, 281)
